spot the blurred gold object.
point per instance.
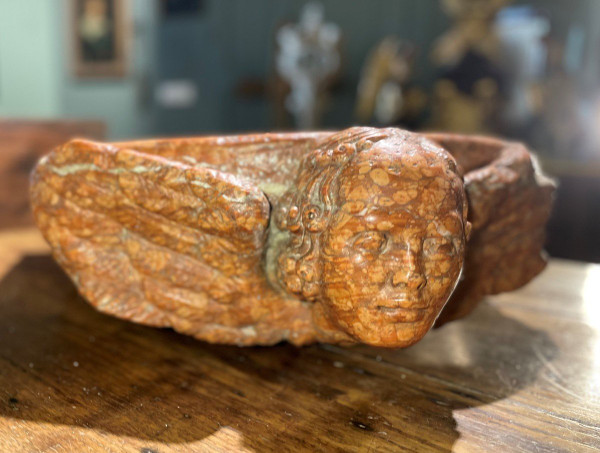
(472, 31)
(390, 63)
(384, 95)
(456, 111)
(467, 97)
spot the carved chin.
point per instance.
(387, 327)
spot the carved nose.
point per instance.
(412, 280)
(410, 273)
(416, 281)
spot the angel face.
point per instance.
(394, 248)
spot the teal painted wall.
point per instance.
(36, 80)
(30, 72)
(230, 40)
(227, 41)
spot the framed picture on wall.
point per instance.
(99, 38)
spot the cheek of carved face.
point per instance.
(389, 269)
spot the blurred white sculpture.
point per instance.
(307, 59)
(521, 34)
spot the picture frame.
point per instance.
(99, 35)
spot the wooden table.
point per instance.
(521, 373)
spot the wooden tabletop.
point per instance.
(521, 373)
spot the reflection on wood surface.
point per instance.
(521, 373)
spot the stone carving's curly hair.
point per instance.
(305, 212)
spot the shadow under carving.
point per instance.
(61, 362)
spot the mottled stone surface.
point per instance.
(356, 236)
(509, 205)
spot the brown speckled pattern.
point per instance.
(351, 237)
(376, 222)
(509, 204)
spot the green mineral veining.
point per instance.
(76, 168)
(276, 241)
(273, 188)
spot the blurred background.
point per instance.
(528, 70)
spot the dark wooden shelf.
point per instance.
(521, 373)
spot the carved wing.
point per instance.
(149, 239)
(509, 205)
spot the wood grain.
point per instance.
(521, 373)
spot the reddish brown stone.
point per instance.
(509, 205)
(357, 236)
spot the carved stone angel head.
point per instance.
(376, 229)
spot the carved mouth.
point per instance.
(399, 314)
(407, 302)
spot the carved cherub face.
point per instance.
(391, 244)
(394, 249)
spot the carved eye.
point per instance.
(313, 219)
(438, 246)
(311, 213)
(370, 241)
